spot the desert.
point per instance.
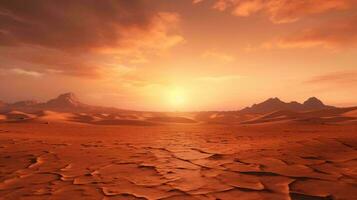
(178, 100)
(136, 155)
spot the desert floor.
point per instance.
(178, 161)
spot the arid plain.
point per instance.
(136, 155)
(178, 99)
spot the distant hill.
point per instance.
(275, 104)
(67, 102)
(25, 103)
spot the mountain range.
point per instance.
(274, 104)
(68, 102)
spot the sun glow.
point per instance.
(177, 97)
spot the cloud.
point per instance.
(219, 56)
(336, 34)
(48, 61)
(335, 78)
(21, 72)
(247, 8)
(332, 34)
(222, 5)
(78, 34)
(282, 11)
(197, 1)
(82, 25)
(26, 72)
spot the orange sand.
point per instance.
(177, 161)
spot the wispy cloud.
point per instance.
(332, 34)
(25, 72)
(281, 11)
(335, 78)
(335, 35)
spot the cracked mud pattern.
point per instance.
(177, 162)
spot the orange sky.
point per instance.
(179, 54)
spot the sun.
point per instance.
(177, 97)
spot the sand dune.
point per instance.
(168, 119)
(123, 122)
(60, 117)
(54, 116)
(282, 116)
(18, 116)
(329, 116)
(332, 115)
(230, 117)
(352, 113)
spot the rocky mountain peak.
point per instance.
(66, 99)
(314, 102)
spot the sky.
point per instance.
(189, 55)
